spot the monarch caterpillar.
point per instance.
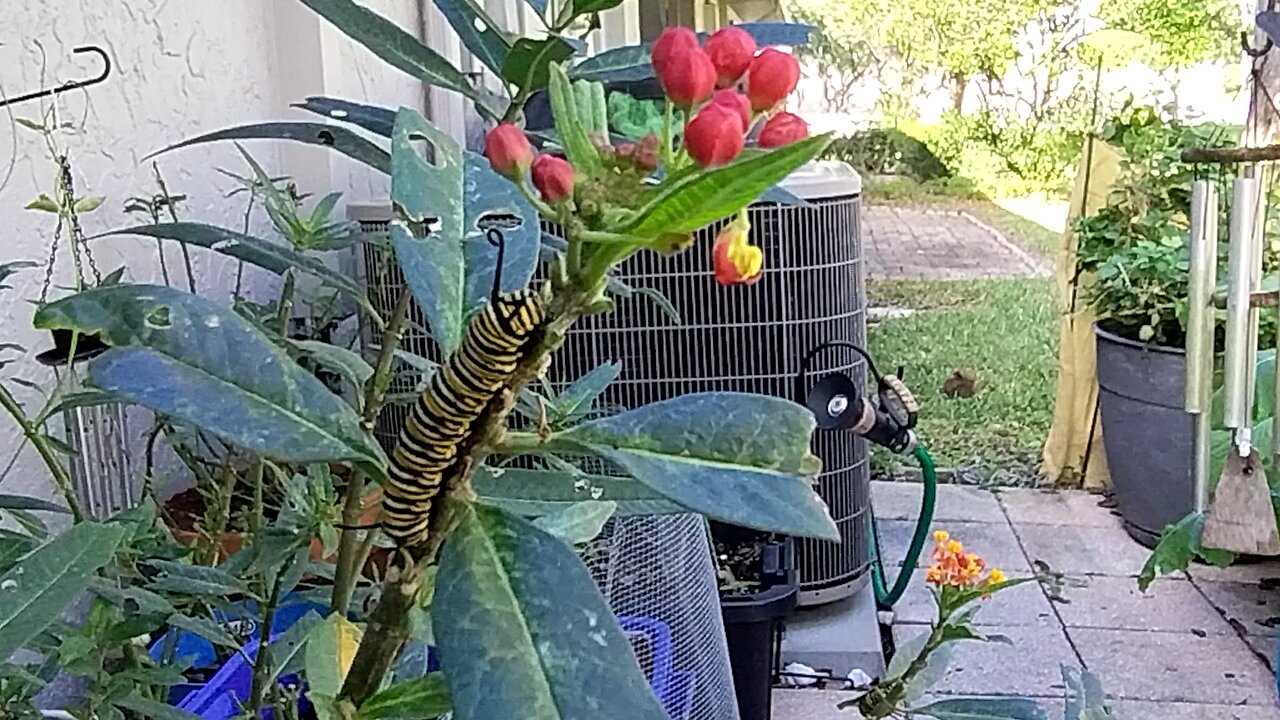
(460, 389)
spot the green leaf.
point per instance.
(424, 697)
(1085, 697)
(690, 202)
(188, 358)
(83, 398)
(255, 251)
(578, 523)
(330, 648)
(195, 579)
(548, 633)
(1004, 708)
(286, 650)
(734, 457)
(375, 119)
(1179, 545)
(577, 146)
(205, 628)
(492, 200)
(333, 136)
(479, 33)
(905, 655)
(130, 598)
(579, 396)
(14, 546)
(346, 363)
(44, 203)
(528, 67)
(89, 204)
(583, 7)
(533, 493)
(35, 590)
(395, 46)
(434, 266)
(26, 502)
(154, 709)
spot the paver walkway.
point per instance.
(921, 244)
(1191, 648)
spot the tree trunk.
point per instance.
(1263, 120)
(959, 83)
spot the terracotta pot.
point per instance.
(231, 542)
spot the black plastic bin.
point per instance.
(753, 628)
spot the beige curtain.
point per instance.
(1073, 453)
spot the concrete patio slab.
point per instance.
(1140, 710)
(1175, 667)
(1169, 605)
(1248, 572)
(1064, 507)
(809, 704)
(963, 503)
(1264, 648)
(1256, 609)
(1078, 550)
(994, 542)
(1020, 605)
(1030, 667)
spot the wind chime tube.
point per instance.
(1244, 206)
(1200, 330)
(1199, 296)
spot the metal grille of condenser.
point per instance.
(744, 339)
(99, 463)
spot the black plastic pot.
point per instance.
(1147, 434)
(753, 628)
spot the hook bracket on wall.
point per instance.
(70, 84)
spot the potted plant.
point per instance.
(759, 586)
(1135, 252)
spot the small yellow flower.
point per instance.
(940, 536)
(954, 547)
(996, 577)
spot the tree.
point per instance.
(961, 40)
(846, 46)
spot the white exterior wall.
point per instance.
(180, 68)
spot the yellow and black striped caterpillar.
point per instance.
(441, 420)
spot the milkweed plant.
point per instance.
(479, 562)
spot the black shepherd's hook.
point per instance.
(70, 84)
(494, 236)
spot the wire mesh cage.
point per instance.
(744, 339)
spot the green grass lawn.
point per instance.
(1006, 331)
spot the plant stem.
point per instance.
(256, 520)
(348, 569)
(286, 304)
(61, 478)
(262, 663)
(173, 215)
(668, 120)
(388, 628)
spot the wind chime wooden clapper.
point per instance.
(1238, 512)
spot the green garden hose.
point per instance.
(886, 598)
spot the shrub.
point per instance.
(888, 151)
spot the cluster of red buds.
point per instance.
(728, 86)
(641, 155)
(511, 155)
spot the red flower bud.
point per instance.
(553, 177)
(783, 129)
(671, 40)
(771, 78)
(646, 155)
(687, 76)
(714, 136)
(731, 50)
(736, 261)
(734, 101)
(508, 150)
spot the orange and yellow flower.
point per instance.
(953, 567)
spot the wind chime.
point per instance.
(1238, 514)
